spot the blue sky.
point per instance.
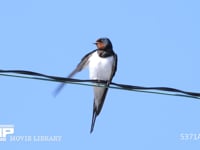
(157, 43)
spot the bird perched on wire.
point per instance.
(102, 64)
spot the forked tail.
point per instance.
(94, 115)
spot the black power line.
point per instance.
(40, 76)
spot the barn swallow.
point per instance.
(102, 64)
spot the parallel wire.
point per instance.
(153, 90)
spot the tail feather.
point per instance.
(99, 98)
(94, 115)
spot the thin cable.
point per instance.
(153, 90)
(90, 84)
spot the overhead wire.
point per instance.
(153, 90)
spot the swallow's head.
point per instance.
(103, 43)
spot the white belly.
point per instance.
(100, 68)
